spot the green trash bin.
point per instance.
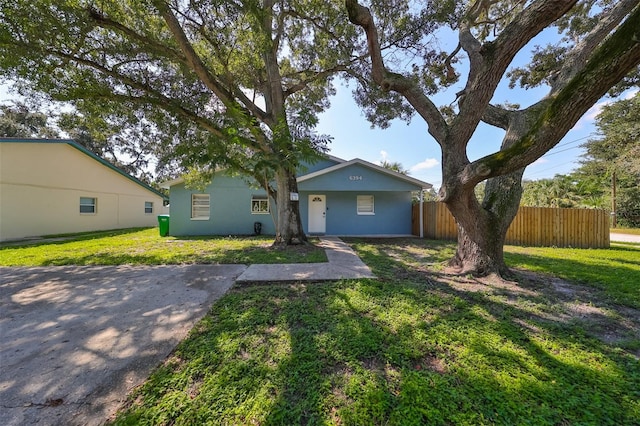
(163, 224)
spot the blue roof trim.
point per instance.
(85, 151)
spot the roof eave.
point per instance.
(414, 181)
(85, 151)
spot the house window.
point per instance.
(365, 204)
(259, 204)
(148, 207)
(200, 206)
(88, 205)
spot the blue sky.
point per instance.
(411, 145)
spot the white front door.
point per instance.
(317, 214)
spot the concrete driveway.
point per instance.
(624, 238)
(75, 340)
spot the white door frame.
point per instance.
(317, 214)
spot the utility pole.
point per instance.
(613, 200)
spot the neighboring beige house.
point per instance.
(56, 186)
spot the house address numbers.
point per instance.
(355, 177)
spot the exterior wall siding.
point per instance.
(355, 178)
(307, 168)
(230, 209)
(41, 185)
(392, 213)
(230, 203)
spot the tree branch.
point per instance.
(551, 118)
(489, 63)
(315, 22)
(104, 22)
(160, 100)
(274, 94)
(195, 63)
(498, 117)
(228, 78)
(579, 55)
(361, 16)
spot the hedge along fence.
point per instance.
(532, 226)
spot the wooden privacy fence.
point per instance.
(532, 226)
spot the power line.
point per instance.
(565, 144)
(558, 152)
(545, 170)
(548, 154)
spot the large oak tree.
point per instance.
(218, 84)
(602, 47)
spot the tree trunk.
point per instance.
(482, 228)
(289, 224)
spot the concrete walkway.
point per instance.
(343, 264)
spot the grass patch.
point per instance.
(146, 247)
(615, 271)
(410, 348)
(630, 231)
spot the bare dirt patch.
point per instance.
(301, 249)
(549, 298)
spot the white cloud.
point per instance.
(539, 161)
(590, 116)
(383, 155)
(429, 163)
(630, 94)
(593, 112)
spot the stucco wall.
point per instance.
(41, 185)
(392, 213)
(230, 209)
(355, 177)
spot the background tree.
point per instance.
(559, 192)
(592, 58)
(129, 145)
(217, 84)
(616, 150)
(18, 121)
(395, 166)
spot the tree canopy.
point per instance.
(395, 166)
(18, 121)
(216, 84)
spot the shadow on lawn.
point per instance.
(409, 348)
(526, 354)
(623, 289)
(476, 367)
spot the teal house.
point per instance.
(336, 197)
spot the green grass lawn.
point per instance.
(615, 271)
(412, 348)
(146, 247)
(632, 231)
